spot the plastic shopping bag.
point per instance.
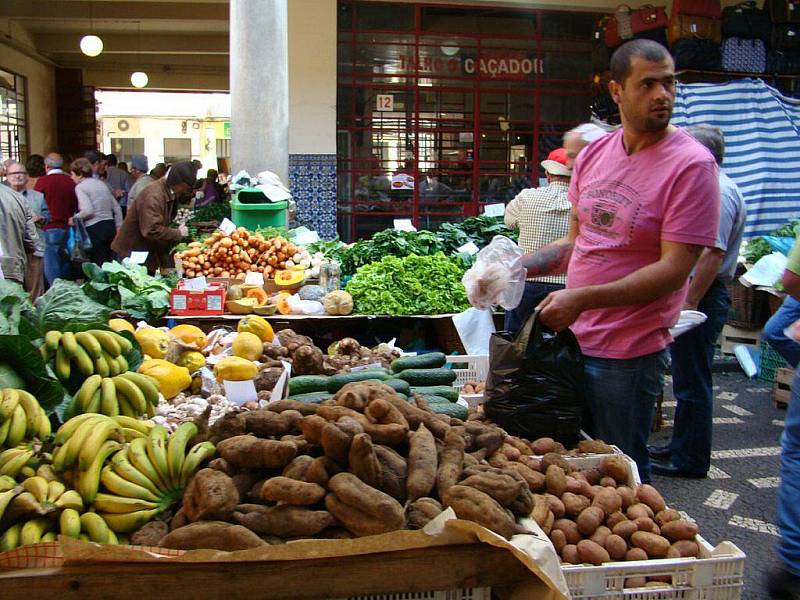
(535, 384)
(497, 277)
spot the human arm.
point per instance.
(553, 259)
(151, 225)
(29, 237)
(85, 206)
(705, 273)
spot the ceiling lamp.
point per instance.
(139, 79)
(450, 48)
(91, 45)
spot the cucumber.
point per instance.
(306, 384)
(400, 386)
(337, 382)
(445, 391)
(434, 399)
(451, 409)
(428, 377)
(311, 397)
(431, 360)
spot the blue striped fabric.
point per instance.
(762, 144)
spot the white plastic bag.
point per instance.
(305, 307)
(497, 277)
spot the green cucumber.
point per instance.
(451, 409)
(427, 377)
(445, 391)
(337, 382)
(431, 360)
(399, 386)
(311, 397)
(306, 384)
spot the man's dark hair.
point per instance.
(35, 165)
(623, 57)
(112, 160)
(93, 156)
(711, 137)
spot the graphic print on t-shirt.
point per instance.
(609, 213)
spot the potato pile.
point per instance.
(221, 255)
(473, 387)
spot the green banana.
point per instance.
(110, 503)
(6, 483)
(69, 523)
(90, 344)
(68, 454)
(120, 486)
(124, 343)
(109, 405)
(123, 467)
(83, 361)
(10, 539)
(122, 362)
(113, 365)
(137, 455)
(62, 366)
(132, 394)
(33, 530)
(70, 499)
(194, 458)
(89, 479)
(112, 537)
(125, 522)
(6, 498)
(108, 341)
(16, 432)
(64, 432)
(7, 456)
(50, 536)
(95, 526)
(125, 407)
(131, 434)
(69, 343)
(148, 386)
(101, 366)
(176, 450)
(52, 339)
(105, 430)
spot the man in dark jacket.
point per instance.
(147, 225)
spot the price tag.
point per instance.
(138, 258)
(404, 225)
(227, 226)
(254, 278)
(196, 284)
(365, 367)
(470, 248)
(494, 210)
(239, 392)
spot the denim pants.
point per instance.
(621, 396)
(692, 358)
(56, 259)
(534, 293)
(789, 489)
(788, 313)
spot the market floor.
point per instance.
(737, 501)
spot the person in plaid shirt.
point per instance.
(542, 216)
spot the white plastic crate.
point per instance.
(590, 461)
(477, 368)
(462, 594)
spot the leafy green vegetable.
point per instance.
(213, 212)
(16, 310)
(331, 249)
(390, 242)
(757, 247)
(129, 288)
(410, 285)
(478, 230)
(66, 307)
(25, 359)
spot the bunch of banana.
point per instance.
(39, 497)
(21, 418)
(21, 461)
(87, 526)
(129, 394)
(81, 440)
(93, 351)
(148, 476)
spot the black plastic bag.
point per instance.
(535, 384)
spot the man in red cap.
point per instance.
(542, 216)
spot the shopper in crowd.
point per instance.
(158, 171)
(98, 162)
(18, 236)
(35, 169)
(689, 452)
(211, 191)
(98, 209)
(34, 272)
(118, 180)
(578, 138)
(773, 332)
(123, 166)
(59, 195)
(141, 178)
(147, 225)
(542, 217)
(645, 202)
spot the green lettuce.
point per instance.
(128, 288)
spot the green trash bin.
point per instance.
(251, 209)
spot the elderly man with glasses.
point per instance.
(17, 178)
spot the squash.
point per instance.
(234, 293)
(289, 279)
(235, 368)
(190, 335)
(259, 294)
(154, 342)
(247, 345)
(172, 379)
(258, 326)
(283, 304)
(192, 360)
(241, 307)
(311, 292)
(338, 302)
(120, 325)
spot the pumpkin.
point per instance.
(283, 304)
(154, 342)
(311, 292)
(120, 325)
(247, 345)
(258, 326)
(234, 293)
(289, 279)
(235, 368)
(192, 360)
(190, 335)
(172, 379)
(338, 302)
(259, 294)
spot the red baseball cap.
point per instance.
(556, 163)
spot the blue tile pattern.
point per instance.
(312, 181)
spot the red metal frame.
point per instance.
(533, 88)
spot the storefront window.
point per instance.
(444, 109)
(13, 123)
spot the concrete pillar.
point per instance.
(259, 87)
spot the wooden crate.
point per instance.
(782, 388)
(735, 336)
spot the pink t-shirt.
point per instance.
(626, 205)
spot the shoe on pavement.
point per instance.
(667, 469)
(659, 452)
(781, 584)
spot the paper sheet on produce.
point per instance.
(532, 549)
(475, 328)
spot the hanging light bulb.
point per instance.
(91, 45)
(139, 79)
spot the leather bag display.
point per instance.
(648, 18)
(784, 62)
(697, 8)
(688, 26)
(697, 54)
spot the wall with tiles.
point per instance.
(312, 180)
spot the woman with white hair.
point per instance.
(578, 138)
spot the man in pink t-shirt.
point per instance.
(645, 203)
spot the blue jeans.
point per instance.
(788, 313)
(789, 489)
(534, 293)
(56, 259)
(692, 357)
(621, 396)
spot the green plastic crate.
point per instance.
(251, 209)
(769, 361)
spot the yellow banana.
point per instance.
(24, 504)
(94, 525)
(70, 499)
(36, 486)
(89, 479)
(125, 407)
(7, 456)
(123, 467)
(48, 473)
(6, 498)
(110, 503)
(54, 490)
(137, 455)
(9, 403)
(26, 471)
(126, 522)
(83, 361)
(10, 539)
(16, 432)
(50, 536)
(131, 434)
(108, 398)
(132, 394)
(87, 390)
(157, 452)
(69, 523)
(43, 427)
(194, 458)
(122, 362)
(33, 530)
(108, 341)
(142, 427)
(90, 344)
(176, 450)
(84, 537)
(52, 340)
(148, 385)
(32, 410)
(112, 537)
(67, 429)
(113, 365)
(105, 430)
(7, 483)
(4, 428)
(120, 486)
(61, 364)
(69, 343)
(101, 366)
(68, 453)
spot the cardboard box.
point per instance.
(196, 303)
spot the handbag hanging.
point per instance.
(696, 54)
(685, 26)
(745, 56)
(746, 20)
(783, 11)
(710, 9)
(647, 18)
(786, 36)
(784, 63)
